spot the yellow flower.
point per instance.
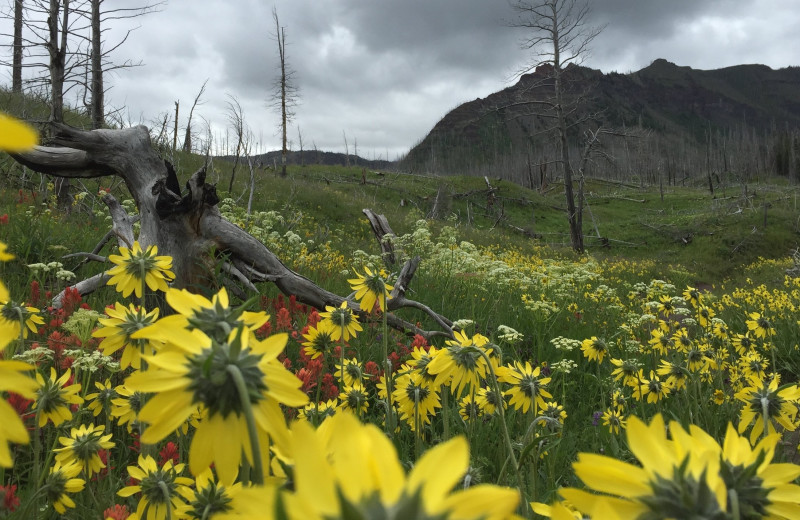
(527, 388)
(117, 329)
(765, 402)
(355, 398)
(595, 349)
(319, 339)
(345, 323)
(352, 370)
(460, 363)
(212, 498)
(416, 399)
(14, 315)
(614, 419)
(11, 427)
(61, 480)
(16, 136)
(193, 369)
(370, 287)
(126, 406)
(135, 267)
(162, 489)
(675, 480)
(83, 446)
(101, 400)
(215, 317)
(53, 398)
(760, 325)
(348, 467)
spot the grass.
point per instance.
(478, 266)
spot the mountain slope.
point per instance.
(707, 113)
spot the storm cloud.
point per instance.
(384, 72)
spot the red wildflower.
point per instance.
(168, 452)
(420, 341)
(71, 300)
(9, 501)
(313, 318)
(329, 388)
(36, 293)
(284, 319)
(20, 405)
(372, 370)
(116, 512)
(4, 219)
(264, 331)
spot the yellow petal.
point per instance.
(16, 136)
(438, 470)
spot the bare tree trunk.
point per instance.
(187, 138)
(175, 128)
(281, 36)
(98, 97)
(188, 226)
(16, 68)
(57, 48)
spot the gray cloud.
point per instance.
(384, 72)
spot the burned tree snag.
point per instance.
(186, 224)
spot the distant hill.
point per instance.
(740, 120)
(317, 157)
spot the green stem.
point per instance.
(167, 499)
(417, 446)
(388, 372)
(506, 436)
(765, 415)
(445, 411)
(319, 388)
(252, 431)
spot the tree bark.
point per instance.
(16, 67)
(98, 98)
(186, 225)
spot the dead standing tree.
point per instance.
(188, 226)
(559, 37)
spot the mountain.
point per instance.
(681, 119)
(317, 157)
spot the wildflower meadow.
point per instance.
(571, 387)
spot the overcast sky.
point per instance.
(385, 71)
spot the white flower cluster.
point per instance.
(563, 365)
(509, 335)
(565, 344)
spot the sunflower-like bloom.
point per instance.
(527, 387)
(689, 476)
(468, 409)
(16, 319)
(653, 388)
(16, 136)
(370, 288)
(316, 412)
(416, 398)
(352, 371)
(693, 296)
(344, 321)
(348, 469)
(162, 489)
(488, 400)
(626, 370)
(54, 397)
(117, 329)
(100, 401)
(594, 348)
(192, 369)
(83, 446)
(135, 267)
(211, 497)
(460, 363)
(614, 419)
(215, 317)
(319, 339)
(355, 398)
(759, 325)
(63, 479)
(12, 378)
(421, 359)
(126, 406)
(765, 402)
